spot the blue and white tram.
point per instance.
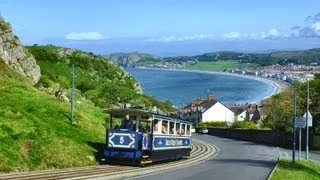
(144, 137)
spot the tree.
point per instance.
(279, 112)
(314, 106)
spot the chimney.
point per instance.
(199, 100)
(211, 97)
(193, 103)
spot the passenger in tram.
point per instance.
(155, 127)
(164, 127)
(148, 129)
(171, 128)
(127, 123)
(178, 129)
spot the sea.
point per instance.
(181, 87)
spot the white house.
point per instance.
(207, 110)
(217, 112)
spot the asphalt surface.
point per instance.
(238, 160)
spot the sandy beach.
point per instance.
(278, 87)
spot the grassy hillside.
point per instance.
(219, 65)
(97, 79)
(35, 132)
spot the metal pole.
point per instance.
(307, 128)
(294, 127)
(299, 144)
(72, 94)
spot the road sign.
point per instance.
(300, 122)
(309, 118)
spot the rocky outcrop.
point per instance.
(15, 55)
(133, 59)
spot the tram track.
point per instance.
(200, 152)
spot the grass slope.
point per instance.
(300, 170)
(220, 65)
(214, 65)
(35, 132)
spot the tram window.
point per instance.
(178, 128)
(144, 126)
(116, 123)
(155, 126)
(183, 128)
(164, 127)
(188, 130)
(172, 130)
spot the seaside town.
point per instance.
(288, 73)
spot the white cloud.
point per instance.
(195, 37)
(232, 35)
(316, 26)
(85, 36)
(273, 33)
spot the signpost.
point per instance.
(309, 119)
(308, 122)
(300, 123)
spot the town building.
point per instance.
(206, 110)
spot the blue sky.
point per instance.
(125, 23)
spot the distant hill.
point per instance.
(133, 59)
(258, 59)
(281, 57)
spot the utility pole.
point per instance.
(299, 143)
(72, 93)
(294, 127)
(307, 127)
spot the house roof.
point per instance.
(205, 104)
(237, 109)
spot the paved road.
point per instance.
(238, 160)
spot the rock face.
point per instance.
(133, 59)
(15, 55)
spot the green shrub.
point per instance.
(213, 124)
(44, 81)
(244, 124)
(85, 86)
(4, 26)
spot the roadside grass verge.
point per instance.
(285, 169)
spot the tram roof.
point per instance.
(121, 112)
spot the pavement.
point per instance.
(239, 160)
(287, 153)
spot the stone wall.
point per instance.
(15, 55)
(269, 137)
